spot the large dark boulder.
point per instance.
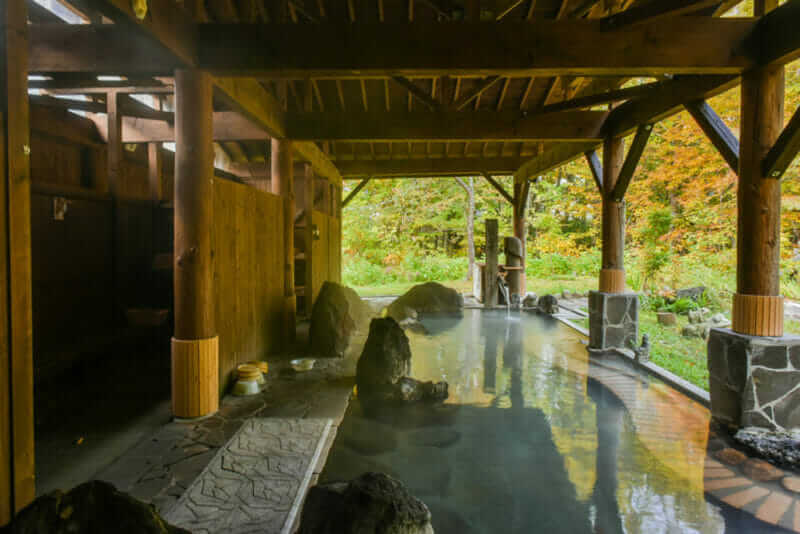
(94, 507)
(337, 314)
(429, 297)
(384, 365)
(547, 304)
(373, 503)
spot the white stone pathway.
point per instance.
(257, 481)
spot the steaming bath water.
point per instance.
(535, 437)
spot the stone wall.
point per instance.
(613, 320)
(754, 381)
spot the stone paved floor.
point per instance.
(678, 433)
(161, 467)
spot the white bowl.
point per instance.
(243, 388)
(302, 364)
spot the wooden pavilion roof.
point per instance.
(412, 87)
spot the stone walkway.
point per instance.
(163, 466)
(257, 481)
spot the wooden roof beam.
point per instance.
(596, 167)
(445, 126)
(398, 168)
(499, 188)
(784, 150)
(631, 162)
(355, 191)
(678, 45)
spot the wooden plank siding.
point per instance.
(248, 274)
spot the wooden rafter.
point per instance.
(475, 92)
(717, 132)
(656, 10)
(416, 91)
(499, 188)
(631, 162)
(784, 150)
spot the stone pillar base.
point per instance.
(754, 381)
(195, 377)
(613, 320)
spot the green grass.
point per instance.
(683, 356)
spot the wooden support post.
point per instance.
(490, 291)
(308, 235)
(16, 352)
(757, 304)
(612, 274)
(195, 347)
(521, 191)
(155, 172)
(283, 185)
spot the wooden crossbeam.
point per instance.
(548, 160)
(784, 150)
(677, 45)
(416, 91)
(499, 188)
(429, 167)
(776, 35)
(656, 10)
(444, 126)
(717, 132)
(596, 167)
(605, 97)
(631, 162)
(355, 191)
(664, 101)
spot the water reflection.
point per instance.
(534, 442)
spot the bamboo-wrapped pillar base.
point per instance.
(758, 315)
(195, 377)
(612, 280)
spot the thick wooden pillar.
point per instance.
(490, 291)
(757, 304)
(612, 274)
(282, 177)
(16, 335)
(195, 347)
(520, 207)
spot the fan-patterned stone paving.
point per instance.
(677, 429)
(257, 481)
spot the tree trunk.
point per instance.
(470, 190)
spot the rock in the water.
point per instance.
(337, 314)
(434, 437)
(667, 318)
(760, 470)
(730, 456)
(384, 365)
(548, 304)
(690, 293)
(94, 507)
(374, 503)
(430, 297)
(530, 300)
(779, 447)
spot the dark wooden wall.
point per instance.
(96, 262)
(248, 274)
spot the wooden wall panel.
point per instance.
(248, 274)
(326, 252)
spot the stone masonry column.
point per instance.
(754, 369)
(195, 346)
(613, 312)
